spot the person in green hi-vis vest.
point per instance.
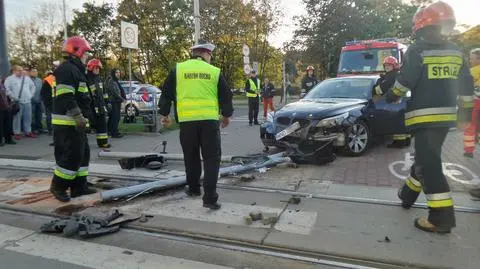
(200, 94)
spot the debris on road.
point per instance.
(84, 225)
(247, 178)
(248, 220)
(256, 216)
(385, 240)
(293, 200)
(269, 218)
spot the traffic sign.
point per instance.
(129, 35)
(246, 60)
(247, 69)
(255, 66)
(246, 50)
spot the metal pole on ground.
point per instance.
(4, 62)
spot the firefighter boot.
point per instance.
(426, 226)
(59, 189)
(80, 187)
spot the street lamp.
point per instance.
(65, 36)
(4, 63)
(196, 17)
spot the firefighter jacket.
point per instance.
(46, 92)
(308, 83)
(71, 96)
(95, 83)
(436, 73)
(385, 83)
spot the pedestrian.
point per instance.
(37, 108)
(472, 132)
(252, 88)
(268, 93)
(383, 85)
(309, 81)
(435, 73)
(5, 118)
(71, 109)
(200, 94)
(20, 89)
(117, 97)
(95, 84)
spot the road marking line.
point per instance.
(230, 214)
(91, 254)
(9, 233)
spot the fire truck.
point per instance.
(363, 57)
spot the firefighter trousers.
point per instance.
(204, 136)
(471, 134)
(427, 174)
(72, 156)
(101, 130)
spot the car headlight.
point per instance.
(270, 116)
(333, 121)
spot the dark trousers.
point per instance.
(114, 118)
(48, 119)
(5, 126)
(101, 130)
(72, 155)
(204, 136)
(253, 105)
(37, 116)
(427, 174)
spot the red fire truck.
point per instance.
(362, 57)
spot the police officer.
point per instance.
(309, 81)
(383, 85)
(253, 90)
(70, 111)
(95, 84)
(200, 94)
(434, 70)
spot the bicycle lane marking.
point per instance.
(454, 174)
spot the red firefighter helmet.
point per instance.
(76, 45)
(310, 68)
(438, 13)
(390, 60)
(93, 63)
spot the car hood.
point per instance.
(319, 108)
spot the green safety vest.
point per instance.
(197, 91)
(254, 88)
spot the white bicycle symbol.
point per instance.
(453, 171)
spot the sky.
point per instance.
(466, 12)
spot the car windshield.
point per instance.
(355, 88)
(370, 60)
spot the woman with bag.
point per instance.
(20, 89)
(5, 117)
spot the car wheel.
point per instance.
(358, 139)
(130, 113)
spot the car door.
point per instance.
(389, 117)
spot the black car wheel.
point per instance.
(358, 139)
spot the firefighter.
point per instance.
(309, 81)
(253, 91)
(70, 111)
(434, 70)
(200, 94)
(471, 135)
(383, 85)
(95, 84)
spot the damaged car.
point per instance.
(339, 114)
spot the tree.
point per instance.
(321, 37)
(94, 24)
